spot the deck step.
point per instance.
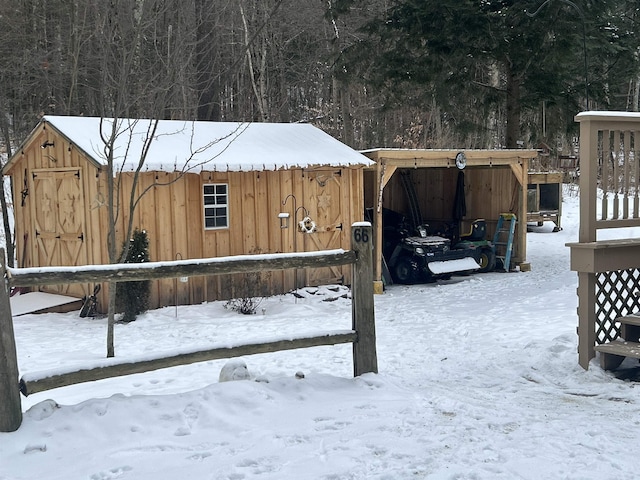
(629, 327)
(629, 320)
(613, 353)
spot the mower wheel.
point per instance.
(405, 271)
(487, 260)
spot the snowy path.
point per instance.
(478, 380)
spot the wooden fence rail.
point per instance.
(124, 272)
(41, 381)
(362, 335)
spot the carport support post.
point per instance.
(365, 358)
(10, 406)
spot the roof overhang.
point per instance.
(423, 158)
(390, 159)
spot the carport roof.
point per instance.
(425, 158)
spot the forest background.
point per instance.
(372, 73)
(427, 74)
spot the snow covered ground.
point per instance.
(478, 380)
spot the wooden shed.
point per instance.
(544, 198)
(495, 182)
(212, 189)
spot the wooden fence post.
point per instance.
(10, 406)
(365, 358)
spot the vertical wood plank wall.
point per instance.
(488, 191)
(172, 215)
(61, 155)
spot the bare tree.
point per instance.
(136, 81)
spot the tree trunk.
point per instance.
(257, 79)
(8, 235)
(513, 110)
(111, 320)
(111, 242)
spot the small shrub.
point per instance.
(133, 297)
(244, 305)
(251, 291)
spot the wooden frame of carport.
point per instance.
(389, 160)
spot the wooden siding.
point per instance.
(172, 213)
(173, 217)
(488, 192)
(52, 161)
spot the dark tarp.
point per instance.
(459, 203)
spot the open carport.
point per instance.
(495, 182)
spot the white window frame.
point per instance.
(216, 196)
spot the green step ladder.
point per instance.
(503, 238)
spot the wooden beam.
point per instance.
(609, 120)
(10, 406)
(365, 359)
(62, 379)
(383, 175)
(24, 277)
(544, 177)
(520, 173)
(523, 191)
(408, 158)
(589, 178)
(605, 255)
(586, 318)
(386, 174)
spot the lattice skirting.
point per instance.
(617, 294)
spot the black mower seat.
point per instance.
(478, 230)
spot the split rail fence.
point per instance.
(362, 335)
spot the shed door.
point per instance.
(326, 198)
(58, 227)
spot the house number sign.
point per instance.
(361, 235)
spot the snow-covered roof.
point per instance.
(214, 146)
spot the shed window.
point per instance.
(216, 205)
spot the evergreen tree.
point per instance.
(499, 58)
(134, 296)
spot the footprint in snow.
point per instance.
(200, 456)
(35, 447)
(327, 423)
(111, 474)
(182, 432)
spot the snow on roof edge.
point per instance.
(197, 146)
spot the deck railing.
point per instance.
(608, 269)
